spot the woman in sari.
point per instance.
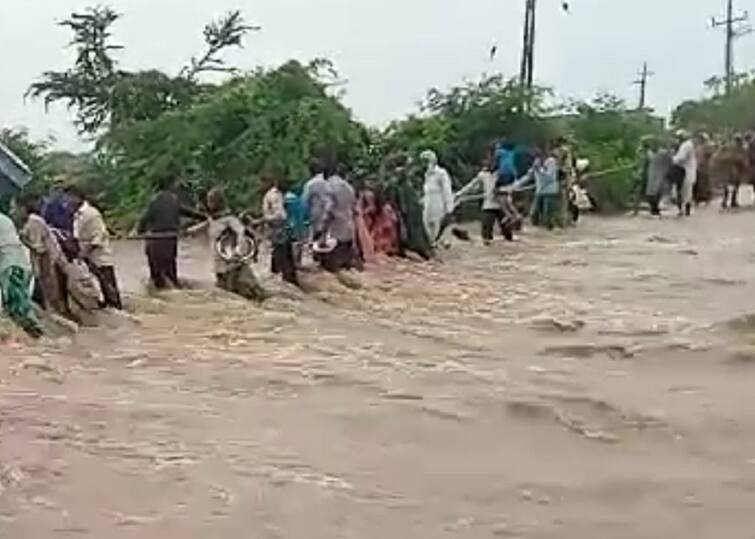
(382, 222)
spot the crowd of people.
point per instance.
(60, 257)
(691, 168)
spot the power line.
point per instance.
(642, 82)
(736, 27)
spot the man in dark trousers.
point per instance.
(93, 242)
(160, 225)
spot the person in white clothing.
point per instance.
(439, 196)
(494, 202)
(686, 158)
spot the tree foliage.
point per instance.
(461, 124)
(104, 96)
(608, 133)
(272, 121)
(720, 112)
(148, 123)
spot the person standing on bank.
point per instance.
(93, 239)
(160, 225)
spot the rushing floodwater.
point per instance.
(596, 383)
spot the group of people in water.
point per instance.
(692, 168)
(60, 258)
(57, 254)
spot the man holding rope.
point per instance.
(160, 225)
(497, 206)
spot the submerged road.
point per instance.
(593, 383)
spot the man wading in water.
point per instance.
(232, 252)
(338, 222)
(93, 241)
(281, 231)
(160, 225)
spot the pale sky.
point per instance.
(390, 51)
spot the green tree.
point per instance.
(462, 123)
(273, 120)
(720, 112)
(608, 133)
(103, 96)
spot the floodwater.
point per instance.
(594, 383)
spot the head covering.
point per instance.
(682, 133)
(430, 156)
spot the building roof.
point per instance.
(14, 174)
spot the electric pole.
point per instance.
(527, 71)
(642, 82)
(526, 75)
(736, 27)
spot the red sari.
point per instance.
(382, 225)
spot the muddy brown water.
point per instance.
(595, 383)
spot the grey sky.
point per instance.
(391, 51)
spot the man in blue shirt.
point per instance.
(57, 211)
(506, 166)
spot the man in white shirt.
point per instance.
(93, 239)
(439, 196)
(283, 261)
(494, 203)
(686, 158)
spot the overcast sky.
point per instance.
(390, 51)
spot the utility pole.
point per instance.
(642, 82)
(526, 73)
(736, 27)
